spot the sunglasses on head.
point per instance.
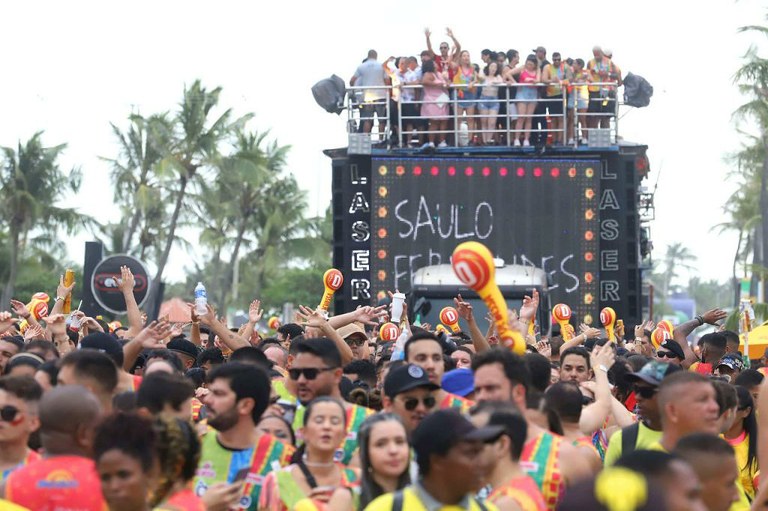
(665, 354)
(8, 413)
(645, 392)
(410, 403)
(310, 373)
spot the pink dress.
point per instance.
(436, 99)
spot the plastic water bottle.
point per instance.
(201, 299)
(463, 134)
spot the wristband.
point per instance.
(700, 319)
(59, 298)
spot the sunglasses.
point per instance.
(646, 392)
(443, 47)
(8, 413)
(665, 354)
(356, 342)
(411, 403)
(310, 373)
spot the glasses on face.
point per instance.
(8, 413)
(356, 342)
(410, 403)
(310, 373)
(665, 354)
(645, 392)
(443, 47)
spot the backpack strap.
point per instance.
(481, 504)
(397, 501)
(629, 438)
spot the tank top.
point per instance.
(463, 78)
(524, 492)
(59, 482)
(540, 460)
(555, 89)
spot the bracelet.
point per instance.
(700, 319)
(59, 298)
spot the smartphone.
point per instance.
(241, 474)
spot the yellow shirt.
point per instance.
(645, 437)
(746, 474)
(412, 501)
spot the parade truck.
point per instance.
(572, 216)
(572, 221)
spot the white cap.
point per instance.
(608, 52)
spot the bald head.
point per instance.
(67, 417)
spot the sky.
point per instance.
(72, 68)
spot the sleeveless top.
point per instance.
(524, 492)
(281, 492)
(219, 464)
(462, 78)
(355, 417)
(555, 89)
(58, 482)
(540, 460)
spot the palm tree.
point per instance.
(752, 80)
(189, 141)
(31, 184)
(676, 257)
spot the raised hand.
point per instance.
(449, 32)
(530, 306)
(590, 332)
(62, 290)
(370, 315)
(20, 309)
(544, 348)
(126, 282)
(57, 324)
(34, 332)
(255, 312)
(602, 355)
(464, 309)
(153, 336)
(311, 318)
(7, 321)
(711, 317)
(91, 325)
(427, 32)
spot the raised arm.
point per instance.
(126, 285)
(229, 338)
(683, 331)
(428, 35)
(593, 416)
(316, 319)
(61, 294)
(456, 44)
(465, 312)
(367, 315)
(150, 337)
(255, 312)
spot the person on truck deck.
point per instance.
(426, 351)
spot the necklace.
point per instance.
(316, 463)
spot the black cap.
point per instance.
(405, 378)
(441, 430)
(674, 347)
(183, 347)
(102, 342)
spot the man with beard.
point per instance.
(238, 395)
(316, 371)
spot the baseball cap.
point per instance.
(459, 381)
(674, 347)
(183, 347)
(405, 378)
(102, 342)
(352, 329)
(608, 52)
(441, 430)
(731, 360)
(539, 48)
(652, 372)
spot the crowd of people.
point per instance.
(536, 101)
(323, 414)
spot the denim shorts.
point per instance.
(527, 94)
(488, 104)
(467, 100)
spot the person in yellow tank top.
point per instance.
(742, 436)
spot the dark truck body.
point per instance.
(571, 212)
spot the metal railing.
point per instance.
(598, 123)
